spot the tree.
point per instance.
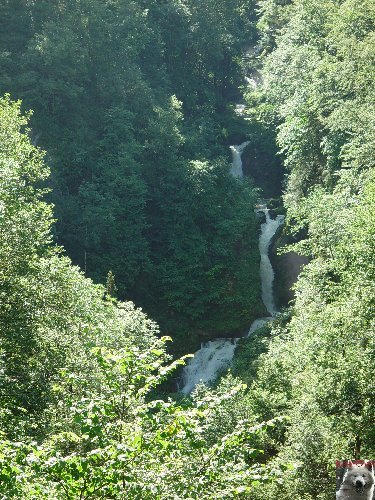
(318, 91)
(123, 105)
(50, 314)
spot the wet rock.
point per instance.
(287, 268)
(261, 216)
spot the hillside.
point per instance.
(177, 155)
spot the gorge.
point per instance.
(216, 355)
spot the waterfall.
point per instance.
(216, 355)
(268, 229)
(212, 358)
(236, 168)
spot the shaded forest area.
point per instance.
(134, 104)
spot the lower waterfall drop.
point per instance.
(216, 355)
(212, 358)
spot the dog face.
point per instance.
(360, 477)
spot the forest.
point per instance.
(126, 243)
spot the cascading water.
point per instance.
(236, 168)
(213, 357)
(268, 229)
(216, 355)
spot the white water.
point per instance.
(236, 168)
(251, 81)
(216, 355)
(268, 229)
(239, 110)
(213, 357)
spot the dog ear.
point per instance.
(369, 464)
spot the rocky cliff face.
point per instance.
(259, 161)
(287, 267)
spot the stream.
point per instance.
(216, 355)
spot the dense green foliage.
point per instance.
(79, 417)
(317, 369)
(133, 102)
(318, 70)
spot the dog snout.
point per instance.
(359, 483)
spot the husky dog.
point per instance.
(358, 483)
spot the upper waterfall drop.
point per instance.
(216, 355)
(236, 168)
